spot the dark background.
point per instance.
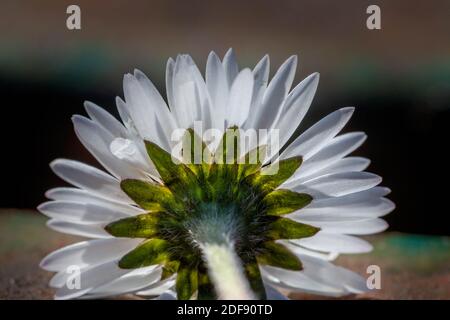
(397, 77)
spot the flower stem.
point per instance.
(215, 230)
(226, 272)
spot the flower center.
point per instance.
(214, 223)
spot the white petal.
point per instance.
(205, 107)
(126, 118)
(97, 140)
(84, 196)
(168, 295)
(128, 283)
(372, 193)
(349, 164)
(129, 153)
(217, 84)
(377, 192)
(357, 205)
(158, 288)
(360, 227)
(89, 178)
(150, 91)
(87, 253)
(298, 250)
(261, 79)
(60, 278)
(230, 66)
(187, 106)
(240, 98)
(82, 213)
(147, 108)
(329, 242)
(274, 96)
(354, 283)
(82, 230)
(325, 272)
(313, 139)
(138, 108)
(105, 119)
(298, 281)
(273, 294)
(90, 279)
(335, 150)
(336, 185)
(170, 66)
(162, 112)
(295, 107)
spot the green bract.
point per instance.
(241, 195)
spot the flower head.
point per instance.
(199, 201)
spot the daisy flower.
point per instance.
(164, 226)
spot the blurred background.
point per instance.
(397, 77)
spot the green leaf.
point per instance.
(283, 201)
(284, 228)
(148, 196)
(140, 226)
(150, 252)
(270, 177)
(277, 255)
(205, 286)
(251, 270)
(187, 282)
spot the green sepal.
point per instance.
(284, 228)
(148, 196)
(205, 287)
(221, 183)
(277, 255)
(272, 176)
(282, 201)
(251, 162)
(198, 157)
(169, 268)
(150, 252)
(187, 282)
(140, 226)
(228, 150)
(178, 177)
(223, 172)
(253, 275)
